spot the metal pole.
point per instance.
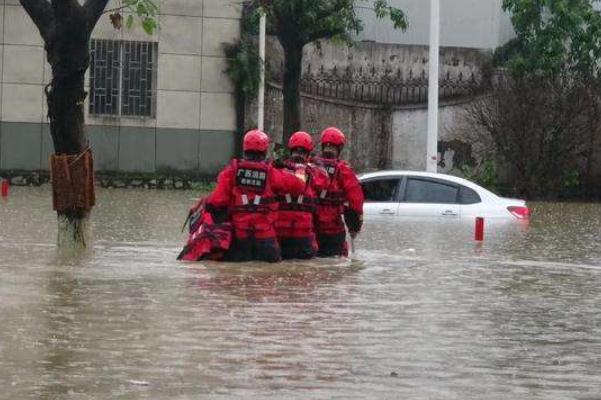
(261, 101)
(432, 140)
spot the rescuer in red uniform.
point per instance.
(342, 195)
(294, 226)
(246, 194)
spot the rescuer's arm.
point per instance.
(353, 213)
(285, 181)
(220, 200)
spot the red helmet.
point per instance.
(255, 140)
(302, 140)
(333, 136)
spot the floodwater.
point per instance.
(419, 312)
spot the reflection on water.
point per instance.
(420, 311)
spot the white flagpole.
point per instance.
(261, 102)
(432, 140)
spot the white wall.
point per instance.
(464, 23)
(196, 116)
(409, 127)
(193, 90)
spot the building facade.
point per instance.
(160, 102)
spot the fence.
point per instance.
(389, 89)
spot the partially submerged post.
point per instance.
(4, 189)
(479, 229)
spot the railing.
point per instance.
(389, 89)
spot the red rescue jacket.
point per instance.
(296, 212)
(207, 240)
(342, 189)
(248, 190)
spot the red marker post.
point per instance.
(4, 188)
(479, 236)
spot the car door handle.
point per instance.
(387, 212)
(449, 213)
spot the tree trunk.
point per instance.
(65, 27)
(68, 54)
(65, 111)
(588, 183)
(293, 58)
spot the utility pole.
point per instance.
(432, 139)
(261, 102)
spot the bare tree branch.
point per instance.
(94, 10)
(41, 13)
(111, 10)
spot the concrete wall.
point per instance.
(456, 143)
(367, 127)
(195, 113)
(478, 24)
(380, 137)
(381, 59)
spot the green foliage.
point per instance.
(300, 22)
(484, 174)
(142, 8)
(397, 16)
(571, 178)
(244, 66)
(130, 21)
(555, 37)
(304, 21)
(145, 10)
(508, 51)
(278, 152)
(149, 24)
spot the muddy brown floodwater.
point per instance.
(419, 312)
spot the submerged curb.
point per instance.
(117, 180)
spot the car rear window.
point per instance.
(380, 190)
(468, 196)
(426, 191)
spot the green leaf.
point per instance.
(151, 8)
(141, 10)
(130, 21)
(149, 25)
(556, 37)
(244, 66)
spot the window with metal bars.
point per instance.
(123, 78)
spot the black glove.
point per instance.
(353, 220)
(219, 214)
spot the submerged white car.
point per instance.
(425, 194)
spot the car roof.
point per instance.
(434, 175)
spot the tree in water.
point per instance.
(299, 22)
(66, 27)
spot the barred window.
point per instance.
(123, 78)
